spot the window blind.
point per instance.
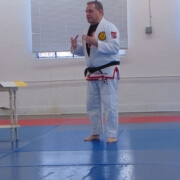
(54, 22)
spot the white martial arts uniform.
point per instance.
(100, 95)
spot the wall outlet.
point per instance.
(148, 30)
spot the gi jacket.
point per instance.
(106, 52)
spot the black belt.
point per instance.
(94, 69)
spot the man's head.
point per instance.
(94, 12)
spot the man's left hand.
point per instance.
(90, 40)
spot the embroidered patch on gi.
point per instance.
(114, 35)
(102, 36)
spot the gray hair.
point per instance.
(98, 5)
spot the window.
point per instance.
(65, 54)
(54, 22)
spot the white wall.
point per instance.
(150, 72)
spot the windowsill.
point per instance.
(65, 55)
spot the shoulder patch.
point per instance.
(114, 35)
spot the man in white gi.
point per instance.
(100, 45)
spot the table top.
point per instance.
(8, 88)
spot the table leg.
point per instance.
(11, 113)
(15, 116)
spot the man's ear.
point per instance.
(101, 11)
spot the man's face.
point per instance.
(93, 15)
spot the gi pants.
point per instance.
(103, 98)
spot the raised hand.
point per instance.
(74, 42)
(90, 40)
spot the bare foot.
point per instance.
(92, 138)
(111, 140)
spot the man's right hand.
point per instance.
(74, 43)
